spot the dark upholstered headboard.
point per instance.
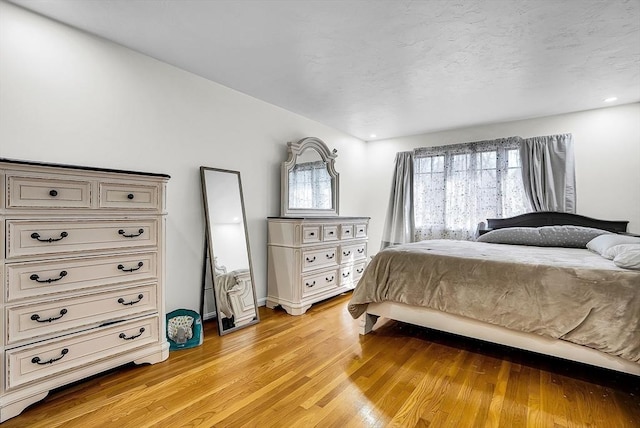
(552, 218)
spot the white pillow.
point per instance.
(612, 252)
(630, 259)
(602, 243)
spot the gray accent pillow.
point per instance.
(544, 236)
(601, 244)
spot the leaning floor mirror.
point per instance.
(228, 284)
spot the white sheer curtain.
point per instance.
(399, 222)
(310, 186)
(548, 171)
(458, 186)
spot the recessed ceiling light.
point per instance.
(372, 136)
(610, 99)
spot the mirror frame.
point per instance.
(328, 157)
(210, 253)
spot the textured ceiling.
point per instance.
(387, 67)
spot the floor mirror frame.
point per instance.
(210, 266)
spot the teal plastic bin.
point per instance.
(196, 338)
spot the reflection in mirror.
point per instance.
(309, 180)
(228, 259)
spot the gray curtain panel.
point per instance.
(399, 222)
(548, 172)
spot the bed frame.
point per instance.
(468, 327)
(552, 218)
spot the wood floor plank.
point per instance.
(499, 393)
(426, 398)
(315, 370)
(535, 415)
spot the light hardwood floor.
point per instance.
(314, 370)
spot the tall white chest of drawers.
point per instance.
(82, 270)
(313, 258)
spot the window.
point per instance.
(458, 186)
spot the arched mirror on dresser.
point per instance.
(313, 253)
(228, 285)
(309, 183)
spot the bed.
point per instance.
(570, 303)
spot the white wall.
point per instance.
(68, 97)
(607, 154)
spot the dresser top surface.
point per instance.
(81, 168)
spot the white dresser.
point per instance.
(313, 258)
(82, 273)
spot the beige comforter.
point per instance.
(566, 293)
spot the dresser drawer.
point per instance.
(346, 275)
(34, 279)
(319, 258)
(350, 275)
(358, 270)
(346, 231)
(350, 253)
(330, 232)
(310, 234)
(35, 192)
(361, 231)
(30, 363)
(29, 321)
(319, 282)
(27, 238)
(129, 196)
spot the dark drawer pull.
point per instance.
(330, 279)
(360, 230)
(312, 234)
(36, 236)
(331, 233)
(310, 284)
(347, 232)
(133, 269)
(330, 256)
(36, 360)
(346, 274)
(36, 278)
(121, 232)
(124, 336)
(130, 196)
(133, 302)
(346, 253)
(360, 270)
(36, 317)
(53, 193)
(311, 260)
(360, 250)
